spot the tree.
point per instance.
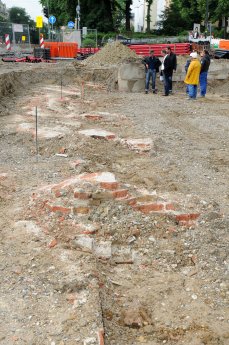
(148, 15)
(128, 3)
(179, 16)
(93, 14)
(18, 15)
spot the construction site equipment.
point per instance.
(42, 53)
(30, 59)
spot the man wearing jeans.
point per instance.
(172, 56)
(205, 63)
(166, 69)
(192, 76)
(152, 64)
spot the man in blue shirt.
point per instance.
(152, 64)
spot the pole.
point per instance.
(29, 37)
(14, 41)
(36, 134)
(206, 16)
(61, 85)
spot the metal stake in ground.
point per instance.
(36, 135)
(61, 85)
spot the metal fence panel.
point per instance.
(18, 33)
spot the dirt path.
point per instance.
(111, 240)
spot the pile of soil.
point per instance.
(112, 54)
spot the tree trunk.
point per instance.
(148, 16)
(127, 12)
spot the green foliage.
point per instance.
(2, 19)
(88, 42)
(18, 15)
(182, 14)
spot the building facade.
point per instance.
(3, 11)
(139, 10)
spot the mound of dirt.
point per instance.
(112, 54)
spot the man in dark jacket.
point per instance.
(205, 63)
(173, 59)
(166, 69)
(152, 64)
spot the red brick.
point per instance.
(131, 201)
(147, 208)
(187, 217)
(93, 117)
(121, 193)
(101, 337)
(109, 185)
(59, 193)
(90, 176)
(81, 210)
(81, 195)
(169, 207)
(62, 150)
(89, 232)
(58, 208)
(53, 243)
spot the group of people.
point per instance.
(196, 72)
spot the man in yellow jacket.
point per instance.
(193, 75)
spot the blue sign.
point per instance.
(71, 25)
(52, 20)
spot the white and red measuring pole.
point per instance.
(7, 41)
(42, 43)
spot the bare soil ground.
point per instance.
(104, 241)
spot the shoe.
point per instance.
(171, 91)
(164, 94)
(154, 91)
(146, 92)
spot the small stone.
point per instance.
(194, 296)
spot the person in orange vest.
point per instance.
(193, 75)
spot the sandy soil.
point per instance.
(139, 258)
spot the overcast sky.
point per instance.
(32, 7)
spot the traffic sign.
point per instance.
(71, 25)
(52, 20)
(39, 22)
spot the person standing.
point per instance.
(173, 59)
(193, 75)
(166, 69)
(205, 63)
(196, 33)
(152, 64)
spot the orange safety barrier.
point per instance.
(62, 49)
(224, 44)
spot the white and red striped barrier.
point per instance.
(7, 41)
(42, 43)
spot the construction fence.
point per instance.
(19, 34)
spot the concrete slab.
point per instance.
(98, 134)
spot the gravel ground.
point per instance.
(164, 281)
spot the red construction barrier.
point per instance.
(143, 49)
(86, 51)
(177, 48)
